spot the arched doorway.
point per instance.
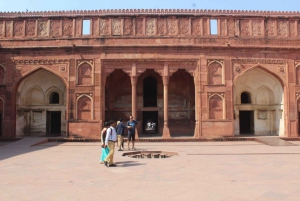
(258, 104)
(40, 105)
(150, 118)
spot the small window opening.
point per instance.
(54, 98)
(86, 25)
(213, 27)
(245, 98)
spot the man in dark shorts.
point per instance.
(131, 125)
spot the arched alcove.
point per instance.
(245, 97)
(215, 73)
(84, 74)
(34, 114)
(54, 98)
(216, 107)
(264, 114)
(84, 108)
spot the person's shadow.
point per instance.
(128, 163)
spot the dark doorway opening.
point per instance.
(247, 122)
(150, 122)
(53, 125)
(150, 92)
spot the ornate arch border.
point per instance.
(92, 73)
(222, 96)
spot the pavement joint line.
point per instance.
(245, 154)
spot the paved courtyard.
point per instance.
(217, 171)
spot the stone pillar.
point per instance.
(166, 131)
(133, 95)
(196, 83)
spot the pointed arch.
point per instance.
(264, 96)
(297, 69)
(84, 73)
(84, 107)
(216, 104)
(215, 73)
(50, 92)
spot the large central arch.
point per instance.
(258, 103)
(40, 104)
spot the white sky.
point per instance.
(53, 5)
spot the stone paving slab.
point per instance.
(274, 141)
(220, 171)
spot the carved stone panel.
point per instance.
(116, 26)
(161, 26)
(139, 26)
(298, 28)
(78, 23)
(196, 26)
(18, 28)
(85, 74)
(128, 26)
(298, 75)
(42, 28)
(72, 67)
(223, 27)
(30, 28)
(269, 28)
(150, 26)
(54, 27)
(292, 30)
(205, 26)
(230, 27)
(1, 28)
(8, 28)
(245, 27)
(257, 27)
(282, 28)
(104, 26)
(95, 22)
(184, 26)
(67, 27)
(172, 26)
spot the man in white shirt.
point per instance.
(111, 138)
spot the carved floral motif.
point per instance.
(30, 28)
(161, 26)
(42, 28)
(257, 28)
(245, 27)
(172, 26)
(54, 27)
(8, 28)
(183, 25)
(150, 26)
(128, 26)
(18, 28)
(196, 26)
(282, 27)
(67, 27)
(270, 28)
(104, 26)
(139, 26)
(298, 24)
(116, 26)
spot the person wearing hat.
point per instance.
(111, 138)
(120, 133)
(105, 150)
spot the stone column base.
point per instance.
(166, 132)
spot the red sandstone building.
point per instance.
(187, 72)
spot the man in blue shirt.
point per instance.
(132, 126)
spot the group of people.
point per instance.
(113, 132)
(150, 125)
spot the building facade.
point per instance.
(196, 73)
